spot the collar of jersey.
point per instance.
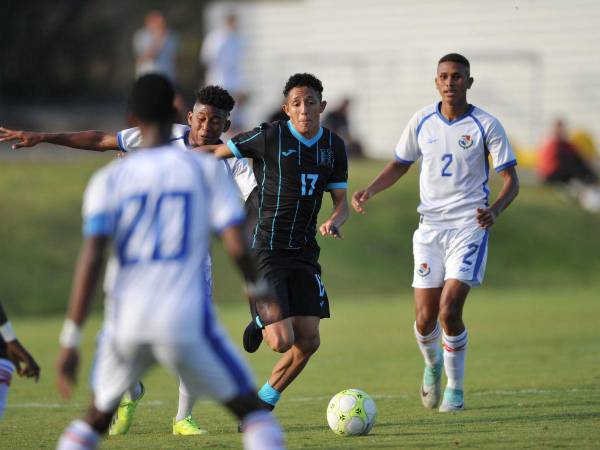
(458, 119)
(297, 135)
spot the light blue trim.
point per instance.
(98, 225)
(480, 254)
(423, 121)
(340, 185)
(278, 192)
(269, 394)
(308, 142)
(120, 142)
(455, 121)
(234, 149)
(239, 220)
(258, 322)
(294, 223)
(403, 161)
(506, 165)
(262, 196)
(250, 138)
(310, 220)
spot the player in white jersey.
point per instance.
(208, 120)
(157, 209)
(453, 140)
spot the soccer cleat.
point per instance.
(454, 400)
(187, 427)
(431, 387)
(124, 416)
(252, 337)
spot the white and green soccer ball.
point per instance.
(351, 412)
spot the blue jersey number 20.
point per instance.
(168, 204)
(312, 179)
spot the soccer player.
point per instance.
(12, 355)
(453, 139)
(206, 122)
(295, 162)
(157, 208)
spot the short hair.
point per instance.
(152, 98)
(303, 80)
(455, 58)
(215, 96)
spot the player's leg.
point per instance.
(6, 371)
(117, 366)
(428, 280)
(465, 267)
(123, 417)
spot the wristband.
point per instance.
(70, 336)
(258, 289)
(7, 332)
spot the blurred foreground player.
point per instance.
(295, 163)
(157, 208)
(453, 139)
(207, 121)
(12, 355)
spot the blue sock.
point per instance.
(268, 394)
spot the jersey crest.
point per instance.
(325, 157)
(465, 141)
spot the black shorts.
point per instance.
(296, 277)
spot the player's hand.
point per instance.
(22, 138)
(486, 217)
(330, 229)
(66, 368)
(23, 361)
(359, 199)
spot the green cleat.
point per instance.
(431, 388)
(187, 427)
(124, 416)
(454, 400)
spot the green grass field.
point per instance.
(533, 378)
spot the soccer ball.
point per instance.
(351, 412)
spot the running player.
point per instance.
(206, 122)
(12, 355)
(156, 209)
(295, 162)
(453, 139)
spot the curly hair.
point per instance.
(303, 80)
(215, 96)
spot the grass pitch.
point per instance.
(533, 378)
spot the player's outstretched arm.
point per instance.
(391, 173)
(20, 357)
(339, 215)
(87, 272)
(221, 151)
(486, 217)
(84, 140)
(257, 289)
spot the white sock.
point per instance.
(186, 404)
(455, 352)
(262, 432)
(6, 371)
(79, 435)
(430, 344)
(135, 390)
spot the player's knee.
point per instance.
(308, 346)
(425, 321)
(450, 315)
(280, 343)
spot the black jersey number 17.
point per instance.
(311, 178)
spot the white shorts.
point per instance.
(209, 366)
(439, 255)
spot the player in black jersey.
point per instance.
(295, 162)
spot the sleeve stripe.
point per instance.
(98, 225)
(250, 138)
(120, 142)
(238, 220)
(501, 167)
(340, 185)
(234, 149)
(403, 161)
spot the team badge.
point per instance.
(424, 270)
(325, 157)
(465, 141)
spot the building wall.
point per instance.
(532, 60)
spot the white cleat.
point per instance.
(431, 387)
(454, 400)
